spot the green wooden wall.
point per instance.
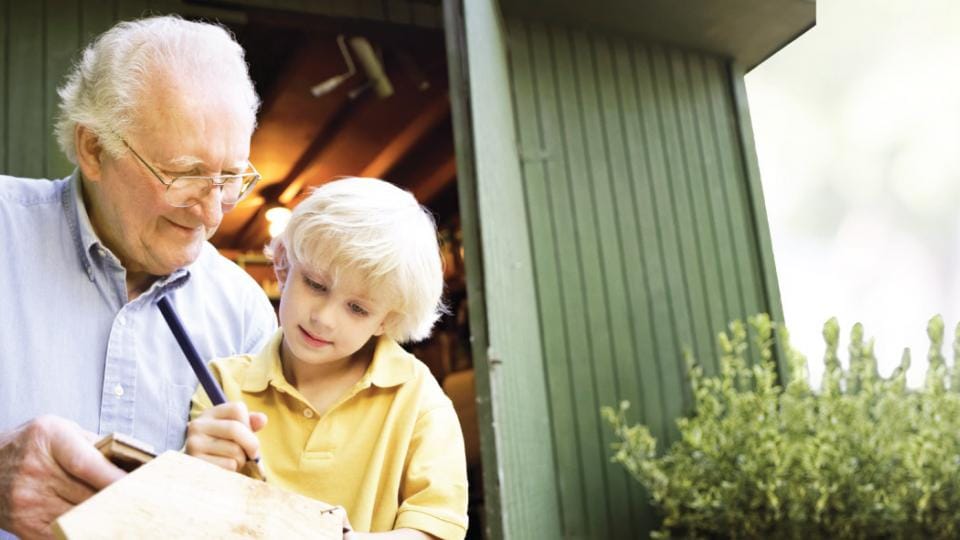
(40, 39)
(647, 235)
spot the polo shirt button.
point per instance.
(118, 390)
(122, 320)
(308, 413)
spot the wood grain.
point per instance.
(178, 496)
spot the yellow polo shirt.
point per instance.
(390, 452)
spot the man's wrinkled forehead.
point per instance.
(190, 131)
(189, 162)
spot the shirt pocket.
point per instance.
(178, 414)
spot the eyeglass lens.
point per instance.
(189, 190)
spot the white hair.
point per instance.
(380, 232)
(104, 91)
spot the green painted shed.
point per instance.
(619, 218)
(610, 204)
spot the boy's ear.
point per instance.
(88, 150)
(281, 264)
(383, 326)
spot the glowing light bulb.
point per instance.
(278, 217)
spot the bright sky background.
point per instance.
(857, 126)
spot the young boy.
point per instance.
(355, 420)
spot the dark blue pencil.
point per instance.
(209, 384)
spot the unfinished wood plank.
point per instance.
(178, 496)
(125, 452)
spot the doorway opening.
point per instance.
(349, 97)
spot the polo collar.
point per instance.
(391, 366)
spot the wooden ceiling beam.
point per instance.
(252, 231)
(439, 179)
(408, 138)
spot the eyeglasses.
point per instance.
(186, 191)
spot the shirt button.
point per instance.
(308, 413)
(121, 320)
(118, 390)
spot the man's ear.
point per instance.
(88, 150)
(281, 264)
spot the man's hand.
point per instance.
(47, 466)
(223, 435)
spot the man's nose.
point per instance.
(211, 208)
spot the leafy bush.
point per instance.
(863, 457)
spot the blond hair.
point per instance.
(380, 232)
(105, 89)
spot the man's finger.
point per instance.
(71, 491)
(81, 460)
(36, 522)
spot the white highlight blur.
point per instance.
(857, 126)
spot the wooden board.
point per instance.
(125, 452)
(178, 496)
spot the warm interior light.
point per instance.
(278, 217)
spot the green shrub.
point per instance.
(864, 457)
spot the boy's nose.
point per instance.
(323, 314)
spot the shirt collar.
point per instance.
(86, 240)
(75, 211)
(265, 367)
(391, 366)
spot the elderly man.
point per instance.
(157, 115)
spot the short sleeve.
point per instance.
(433, 492)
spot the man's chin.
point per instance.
(169, 265)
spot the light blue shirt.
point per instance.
(73, 346)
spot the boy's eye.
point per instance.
(357, 309)
(320, 287)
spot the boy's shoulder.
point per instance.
(233, 370)
(234, 362)
(251, 371)
(409, 374)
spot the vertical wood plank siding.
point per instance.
(61, 38)
(4, 63)
(25, 130)
(643, 229)
(514, 355)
